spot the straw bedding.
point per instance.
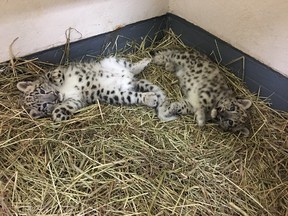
(119, 160)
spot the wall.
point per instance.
(258, 27)
(41, 25)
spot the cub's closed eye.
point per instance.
(232, 108)
(42, 91)
(230, 122)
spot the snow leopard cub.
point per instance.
(63, 91)
(205, 91)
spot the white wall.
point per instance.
(41, 24)
(257, 27)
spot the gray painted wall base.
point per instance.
(257, 76)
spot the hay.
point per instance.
(113, 160)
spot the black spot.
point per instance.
(129, 99)
(77, 72)
(83, 70)
(102, 90)
(208, 93)
(212, 66)
(93, 87)
(56, 110)
(69, 107)
(63, 118)
(116, 98)
(108, 92)
(105, 97)
(88, 83)
(204, 101)
(112, 92)
(80, 79)
(58, 115)
(111, 100)
(199, 65)
(76, 87)
(63, 109)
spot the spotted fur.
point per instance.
(205, 91)
(63, 91)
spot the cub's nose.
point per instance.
(223, 115)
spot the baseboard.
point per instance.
(258, 77)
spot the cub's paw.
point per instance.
(165, 113)
(169, 66)
(61, 114)
(200, 118)
(158, 60)
(161, 97)
(144, 62)
(150, 99)
(213, 113)
(56, 76)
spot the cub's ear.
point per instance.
(35, 114)
(26, 86)
(242, 131)
(244, 103)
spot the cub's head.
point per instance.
(39, 97)
(232, 115)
